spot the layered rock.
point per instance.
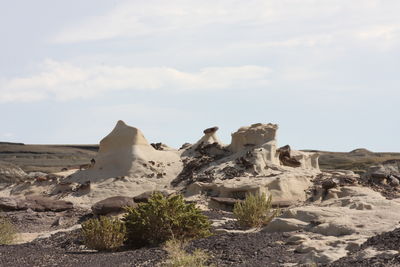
(10, 173)
(36, 203)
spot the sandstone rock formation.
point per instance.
(337, 225)
(11, 173)
(126, 152)
(127, 164)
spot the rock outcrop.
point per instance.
(126, 152)
(11, 173)
(332, 228)
(112, 205)
(36, 203)
(127, 164)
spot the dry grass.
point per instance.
(7, 231)
(178, 257)
(255, 211)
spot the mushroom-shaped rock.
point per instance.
(208, 144)
(209, 137)
(112, 205)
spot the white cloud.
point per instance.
(138, 18)
(386, 35)
(65, 81)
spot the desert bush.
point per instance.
(255, 211)
(103, 234)
(178, 257)
(163, 218)
(7, 231)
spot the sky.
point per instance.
(326, 71)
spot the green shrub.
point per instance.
(164, 218)
(255, 211)
(105, 233)
(178, 257)
(7, 231)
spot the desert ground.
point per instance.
(337, 208)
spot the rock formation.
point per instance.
(126, 152)
(11, 173)
(127, 164)
(326, 213)
(113, 205)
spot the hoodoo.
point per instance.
(126, 152)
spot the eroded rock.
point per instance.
(112, 205)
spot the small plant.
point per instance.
(164, 218)
(103, 234)
(178, 257)
(7, 231)
(255, 211)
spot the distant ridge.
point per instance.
(361, 150)
(11, 143)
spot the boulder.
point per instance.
(144, 197)
(39, 203)
(112, 205)
(286, 159)
(394, 181)
(11, 204)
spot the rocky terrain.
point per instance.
(338, 209)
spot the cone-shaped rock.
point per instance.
(126, 152)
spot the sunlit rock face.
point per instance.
(254, 135)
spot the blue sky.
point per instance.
(327, 71)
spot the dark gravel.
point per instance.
(385, 241)
(253, 249)
(66, 249)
